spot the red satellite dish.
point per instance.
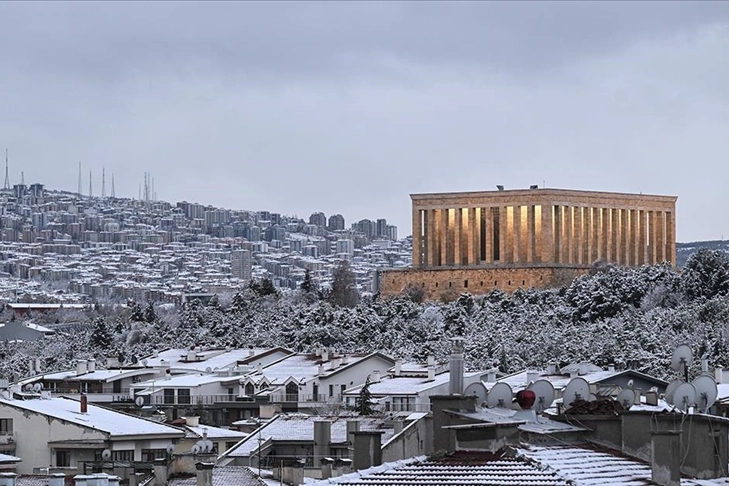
(526, 399)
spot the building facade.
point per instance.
(477, 241)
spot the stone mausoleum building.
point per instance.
(507, 239)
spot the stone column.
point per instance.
(476, 234)
(623, 246)
(443, 237)
(417, 238)
(670, 238)
(661, 242)
(588, 234)
(531, 235)
(504, 253)
(516, 234)
(468, 232)
(595, 240)
(431, 237)
(488, 221)
(605, 236)
(547, 234)
(567, 242)
(642, 237)
(457, 237)
(558, 234)
(633, 238)
(653, 238)
(577, 235)
(614, 234)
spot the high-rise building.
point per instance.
(241, 264)
(319, 219)
(381, 227)
(336, 222)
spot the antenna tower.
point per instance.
(113, 192)
(79, 178)
(7, 176)
(22, 178)
(103, 182)
(91, 191)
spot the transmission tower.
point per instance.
(79, 178)
(7, 175)
(113, 191)
(91, 189)
(22, 178)
(103, 182)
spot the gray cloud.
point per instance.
(348, 107)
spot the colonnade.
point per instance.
(542, 234)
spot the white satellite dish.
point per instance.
(170, 449)
(144, 363)
(208, 370)
(544, 391)
(682, 358)
(500, 396)
(476, 389)
(208, 445)
(684, 397)
(706, 392)
(139, 401)
(195, 449)
(106, 454)
(672, 388)
(626, 398)
(37, 387)
(576, 389)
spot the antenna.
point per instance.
(91, 189)
(103, 182)
(626, 398)
(7, 174)
(113, 191)
(22, 178)
(544, 392)
(681, 360)
(576, 389)
(684, 397)
(706, 392)
(79, 178)
(500, 396)
(476, 389)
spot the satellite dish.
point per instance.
(684, 397)
(37, 387)
(706, 392)
(476, 389)
(208, 445)
(682, 358)
(576, 389)
(672, 388)
(139, 401)
(626, 398)
(106, 454)
(28, 387)
(144, 363)
(195, 449)
(208, 370)
(170, 449)
(545, 394)
(500, 396)
(134, 360)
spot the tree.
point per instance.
(706, 274)
(344, 287)
(363, 403)
(137, 314)
(149, 313)
(100, 336)
(414, 292)
(239, 304)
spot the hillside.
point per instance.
(685, 250)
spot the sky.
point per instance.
(346, 107)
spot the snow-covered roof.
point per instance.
(518, 381)
(215, 433)
(300, 427)
(223, 476)
(406, 385)
(5, 459)
(97, 375)
(114, 423)
(180, 381)
(212, 358)
(303, 367)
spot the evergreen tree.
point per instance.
(149, 313)
(308, 285)
(137, 314)
(363, 403)
(238, 304)
(344, 287)
(100, 337)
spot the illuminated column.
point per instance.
(417, 238)
(642, 237)
(633, 238)
(595, 240)
(661, 242)
(547, 234)
(531, 234)
(516, 234)
(487, 219)
(504, 253)
(670, 238)
(588, 233)
(614, 234)
(577, 235)
(653, 237)
(567, 242)
(443, 236)
(623, 242)
(431, 235)
(605, 237)
(468, 232)
(457, 234)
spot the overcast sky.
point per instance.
(349, 107)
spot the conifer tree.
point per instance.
(363, 403)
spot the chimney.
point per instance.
(551, 369)
(367, 449)
(259, 368)
(191, 355)
(491, 377)
(168, 374)
(456, 367)
(532, 376)
(320, 371)
(431, 373)
(204, 473)
(431, 360)
(574, 374)
(91, 365)
(398, 367)
(84, 404)
(136, 478)
(81, 368)
(611, 367)
(584, 368)
(666, 457)
(251, 352)
(324, 355)
(651, 397)
(160, 472)
(38, 366)
(322, 439)
(58, 479)
(192, 421)
(336, 363)
(7, 478)
(375, 376)
(31, 366)
(114, 480)
(345, 359)
(352, 427)
(81, 480)
(719, 375)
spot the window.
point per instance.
(342, 388)
(6, 426)
(250, 390)
(127, 456)
(465, 284)
(116, 386)
(331, 391)
(84, 388)
(183, 396)
(292, 392)
(63, 458)
(403, 404)
(149, 455)
(315, 389)
(169, 396)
